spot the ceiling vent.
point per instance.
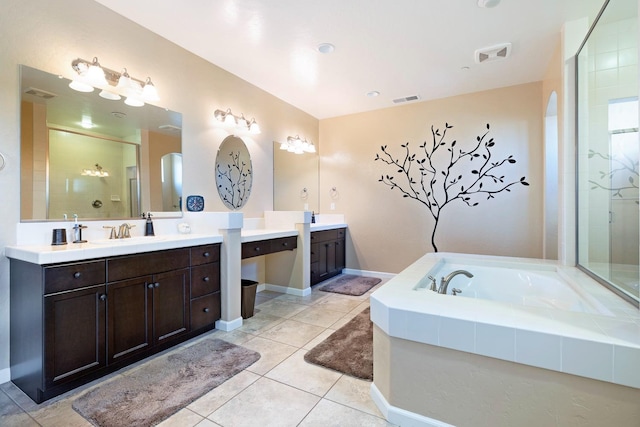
(40, 93)
(493, 53)
(406, 99)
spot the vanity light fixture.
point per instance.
(113, 84)
(97, 171)
(297, 145)
(240, 123)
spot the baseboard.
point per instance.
(5, 375)
(226, 326)
(400, 416)
(287, 290)
(379, 274)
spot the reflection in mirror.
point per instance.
(67, 136)
(234, 174)
(295, 180)
(171, 165)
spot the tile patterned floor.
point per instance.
(281, 389)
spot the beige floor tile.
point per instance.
(234, 337)
(318, 316)
(317, 340)
(59, 414)
(284, 309)
(182, 418)
(296, 372)
(260, 322)
(341, 304)
(343, 321)
(331, 414)
(355, 393)
(220, 395)
(266, 403)
(293, 333)
(271, 354)
(311, 299)
(207, 423)
(12, 415)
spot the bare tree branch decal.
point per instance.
(232, 181)
(619, 166)
(438, 173)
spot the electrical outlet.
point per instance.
(306, 206)
(333, 206)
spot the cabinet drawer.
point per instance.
(341, 233)
(205, 279)
(205, 311)
(205, 254)
(130, 266)
(251, 249)
(73, 276)
(284, 244)
(323, 236)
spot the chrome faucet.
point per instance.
(444, 282)
(124, 230)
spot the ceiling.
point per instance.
(399, 48)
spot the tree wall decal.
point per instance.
(233, 180)
(440, 172)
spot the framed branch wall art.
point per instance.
(442, 171)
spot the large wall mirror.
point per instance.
(94, 157)
(295, 180)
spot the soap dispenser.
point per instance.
(148, 229)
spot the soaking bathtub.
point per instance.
(528, 318)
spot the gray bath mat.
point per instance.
(351, 285)
(349, 349)
(160, 388)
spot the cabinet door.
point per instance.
(74, 334)
(340, 256)
(170, 304)
(326, 259)
(130, 317)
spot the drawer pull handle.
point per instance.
(206, 254)
(156, 285)
(77, 274)
(150, 286)
(257, 248)
(103, 297)
(206, 278)
(285, 244)
(206, 310)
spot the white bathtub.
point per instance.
(530, 312)
(533, 285)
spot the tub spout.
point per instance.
(444, 282)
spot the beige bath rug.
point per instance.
(349, 349)
(158, 389)
(348, 284)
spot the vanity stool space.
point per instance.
(74, 322)
(327, 254)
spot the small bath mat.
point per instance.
(160, 388)
(349, 349)
(351, 285)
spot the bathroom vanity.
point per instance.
(327, 254)
(75, 321)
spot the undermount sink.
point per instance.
(129, 240)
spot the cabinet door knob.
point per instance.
(150, 286)
(103, 297)
(77, 274)
(206, 278)
(157, 285)
(206, 254)
(206, 310)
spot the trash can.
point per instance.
(248, 297)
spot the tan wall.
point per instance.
(469, 390)
(388, 232)
(49, 35)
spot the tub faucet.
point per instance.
(444, 282)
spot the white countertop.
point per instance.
(265, 234)
(48, 254)
(322, 227)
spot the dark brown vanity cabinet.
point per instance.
(74, 322)
(327, 254)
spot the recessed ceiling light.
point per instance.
(373, 93)
(488, 3)
(326, 48)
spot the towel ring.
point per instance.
(3, 161)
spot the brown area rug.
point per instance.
(162, 387)
(349, 349)
(349, 284)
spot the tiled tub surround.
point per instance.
(506, 342)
